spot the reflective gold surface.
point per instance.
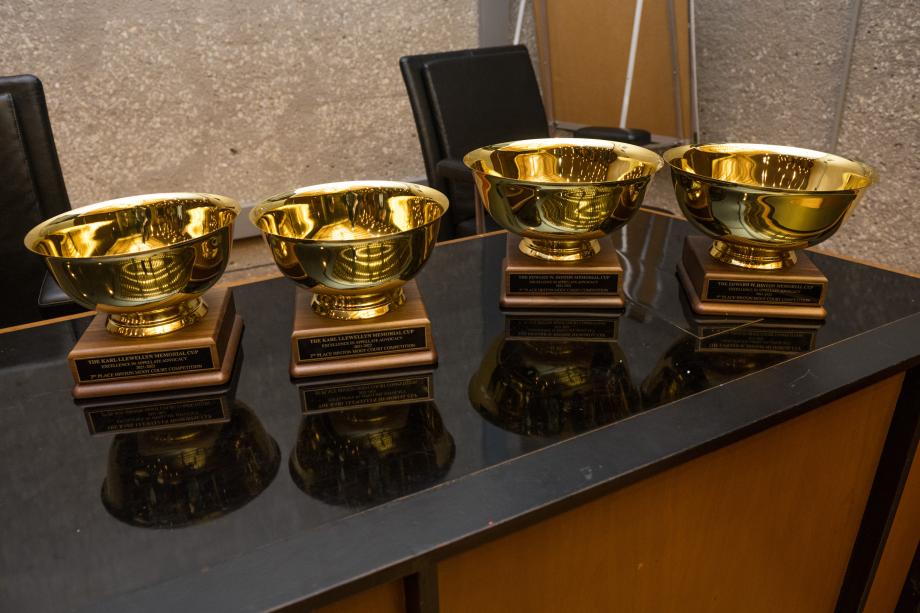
(372, 455)
(182, 476)
(144, 260)
(761, 202)
(353, 244)
(562, 194)
(547, 388)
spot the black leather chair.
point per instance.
(31, 190)
(462, 100)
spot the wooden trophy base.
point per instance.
(400, 339)
(200, 355)
(716, 288)
(595, 283)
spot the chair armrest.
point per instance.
(51, 294)
(455, 170)
(634, 136)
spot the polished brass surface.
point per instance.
(182, 476)
(553, 387)
(762, 202)
(143, 260)
(562, 194)
(353, 244)
(371, 455)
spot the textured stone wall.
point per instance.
(248, 99)
(244, 99)
(773, 71)
(881, 126)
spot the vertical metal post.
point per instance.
(520, 22)
(675, 73)
(855, 9)
(541, 27)
(631, 63)
(694, 100)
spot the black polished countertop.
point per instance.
(271, 505)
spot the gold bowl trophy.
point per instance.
(552, 376)
(356, 246)
(562, 197)
(370, 455)
(144, 263)
(760, 203)
(174, 477)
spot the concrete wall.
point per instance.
(248, 99)
(774, 72)
(245, 99)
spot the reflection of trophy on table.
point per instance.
(760, 204)
(174, 477)
(554, 374)
(147, 264)
(370, 440)
(722, 350)
(561, 197)
(356, 247)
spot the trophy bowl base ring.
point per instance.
(529, 283)
(716, 288)
(352, 308)
(322, 346)
(754, 258)
(559, 250)
(166, 320)
(202, 355)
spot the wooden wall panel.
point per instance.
(765, 524)
(386, 598)
(586, 49)
(899, 547)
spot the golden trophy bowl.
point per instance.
(562, 194)
(561, 197)
(362, 456)
(353, 244)
(144, 263)
(356, 246)
(145, 260)
(553, 387)
(760, 203)
(188, 475)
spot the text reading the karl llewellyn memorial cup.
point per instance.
(144, 364)
(767, 292)
(361, 343)
(562, 283)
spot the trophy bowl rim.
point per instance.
(66, 219)
(647, 157)
(279, 200)
(864, 170)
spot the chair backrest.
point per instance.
(462, 100)
(31, 190)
